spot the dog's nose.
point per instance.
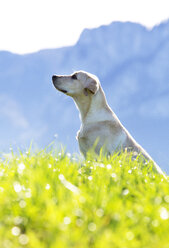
(54, 78)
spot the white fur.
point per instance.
(100, 127)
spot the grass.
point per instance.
(51, 199)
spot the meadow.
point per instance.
(53, 199)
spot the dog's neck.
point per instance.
(93, 107)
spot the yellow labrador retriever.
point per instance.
(100, 126)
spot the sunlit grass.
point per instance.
(49, 199)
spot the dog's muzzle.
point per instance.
(54, 79)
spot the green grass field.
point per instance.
(50, 199)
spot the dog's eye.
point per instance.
(74, 76)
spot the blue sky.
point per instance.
(30, 25)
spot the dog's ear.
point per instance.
(92, 85)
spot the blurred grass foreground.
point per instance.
(50, 199)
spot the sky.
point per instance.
(28, 26)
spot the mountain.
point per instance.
(132, 63)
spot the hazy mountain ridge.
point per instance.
(132, 64)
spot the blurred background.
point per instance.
(125, 43)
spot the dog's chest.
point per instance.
(98, 136)
(84, 141)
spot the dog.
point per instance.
(100, 127)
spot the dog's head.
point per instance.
(76, 84)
